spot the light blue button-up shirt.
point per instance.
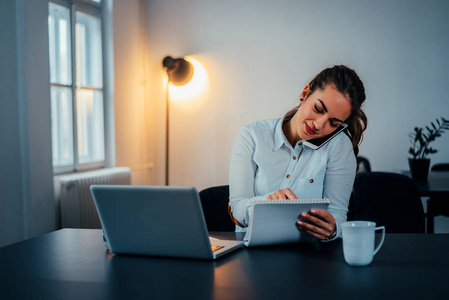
(263, 161)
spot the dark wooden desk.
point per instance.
(437, 187)
(73, 264)
(437, 184)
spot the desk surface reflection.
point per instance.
(73, 264)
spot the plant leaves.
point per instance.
(432, 151)
(425, 135)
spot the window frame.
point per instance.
(93, 9)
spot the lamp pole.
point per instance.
(179, 72)
(167, 133)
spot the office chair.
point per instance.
(437, 205)
(215, 208)
(363, 164)
(440, 167)
(389, 199)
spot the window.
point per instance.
(76, 82)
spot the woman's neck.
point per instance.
(290, 132)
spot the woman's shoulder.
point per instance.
(256, 133)
(268, 124)
(257, 130)
(341, 142)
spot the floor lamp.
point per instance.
(179, 72)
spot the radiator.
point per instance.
(76, 206)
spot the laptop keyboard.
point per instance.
(215, 248)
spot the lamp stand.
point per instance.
(179, 72)
(167, 133)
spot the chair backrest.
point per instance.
(215, 208)
(389, 199)
(363, 164)
(440, 167)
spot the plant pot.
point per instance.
(419, 168)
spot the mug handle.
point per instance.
(382, 240)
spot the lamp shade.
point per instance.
(179, 70)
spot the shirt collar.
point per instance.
(279, 136)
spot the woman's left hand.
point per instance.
(318, 223)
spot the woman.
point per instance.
(270, 162)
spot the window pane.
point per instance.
(89, 66)
(90, 125)
(61, 126)
(59, 44)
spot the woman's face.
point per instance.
(320, 113)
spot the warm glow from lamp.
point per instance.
(194, 87)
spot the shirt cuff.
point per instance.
(249, 208)
(337, 235)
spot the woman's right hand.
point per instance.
(284, 194)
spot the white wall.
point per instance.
(259, 55)
(27, 205)
(132, 127)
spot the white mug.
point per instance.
(358, 242)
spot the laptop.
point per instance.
(162, 221)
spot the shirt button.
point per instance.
(294, 157)
(299, 143)
(311, 180)
(288, 176)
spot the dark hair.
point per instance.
(347, 82)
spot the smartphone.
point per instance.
(320, 142)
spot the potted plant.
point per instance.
(420, 139)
